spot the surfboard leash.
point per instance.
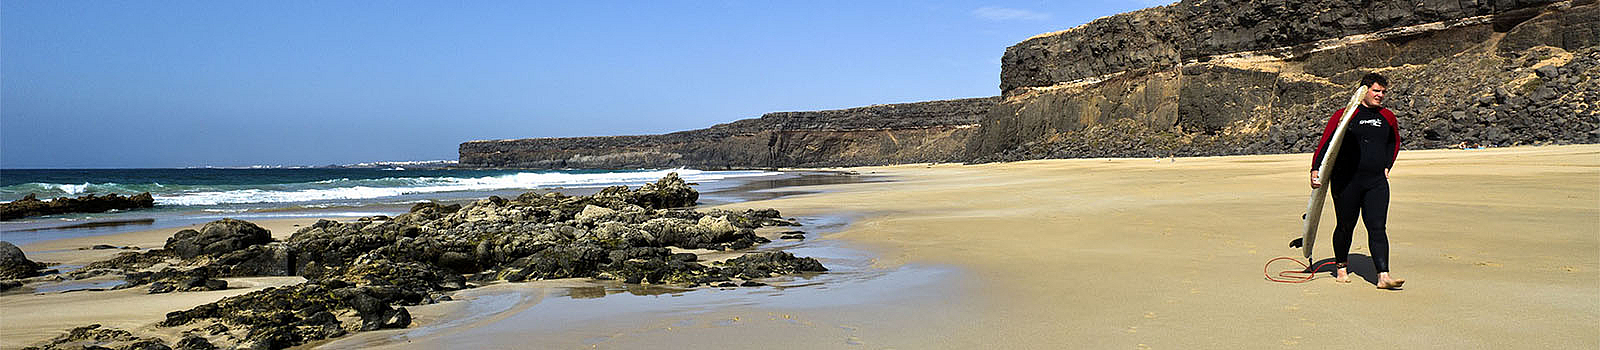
(1303, 275)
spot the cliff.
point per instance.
(1197, 77)
(1250, 77)
(933, 131)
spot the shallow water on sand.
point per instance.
(506, 316)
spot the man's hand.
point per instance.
(1316, 181)
(1385, 173)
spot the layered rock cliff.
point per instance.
(1197, 77)
(1249, 77)
(933, 131)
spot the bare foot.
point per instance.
(1341, 276)
(1386, 282)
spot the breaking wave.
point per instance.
(345, 188)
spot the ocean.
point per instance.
(194, 195)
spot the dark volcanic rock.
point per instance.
(768, 264)
(369, 271)
(87, 337)
(14, 265)
(668, 192)
(148, 344)
(217, 238)
(195, 343)
(32, 206)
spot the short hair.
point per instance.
(1374, 78)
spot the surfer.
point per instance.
(1360, 178)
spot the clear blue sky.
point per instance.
(230, 83)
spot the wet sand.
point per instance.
(1500, 247)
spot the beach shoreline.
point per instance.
(1168, 253)
(1118, 253)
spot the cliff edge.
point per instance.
(1194, 78)
(932, 131)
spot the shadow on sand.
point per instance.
(1360, 265)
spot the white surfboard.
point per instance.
(1314, 206)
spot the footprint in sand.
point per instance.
(1570, 268)
(1489, 264)
(1150, 315)
(853, 340)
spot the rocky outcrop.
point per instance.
(1161, 38)
(217, 238)
(32, 206)
(362, 275)
(15, 265)
(933, 131)
(1251, 77)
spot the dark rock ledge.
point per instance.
(361, 275)
(32, 206)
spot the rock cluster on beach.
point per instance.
(32, 206)
(1193, 78)
(361, 275)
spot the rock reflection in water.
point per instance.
(763, 188)
(601, 291)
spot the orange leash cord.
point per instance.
(1305, 274)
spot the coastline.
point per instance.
(1500, 246)
(1098, 253)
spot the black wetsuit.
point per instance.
(1359, 186)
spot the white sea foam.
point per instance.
(442, 184)
(72, 189)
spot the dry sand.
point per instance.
(26, 319)
(1501, 248)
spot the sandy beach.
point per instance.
(1500, 247)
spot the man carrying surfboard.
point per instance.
(1359, 178)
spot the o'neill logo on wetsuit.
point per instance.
(1374, 122)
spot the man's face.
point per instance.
(1374, 97)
